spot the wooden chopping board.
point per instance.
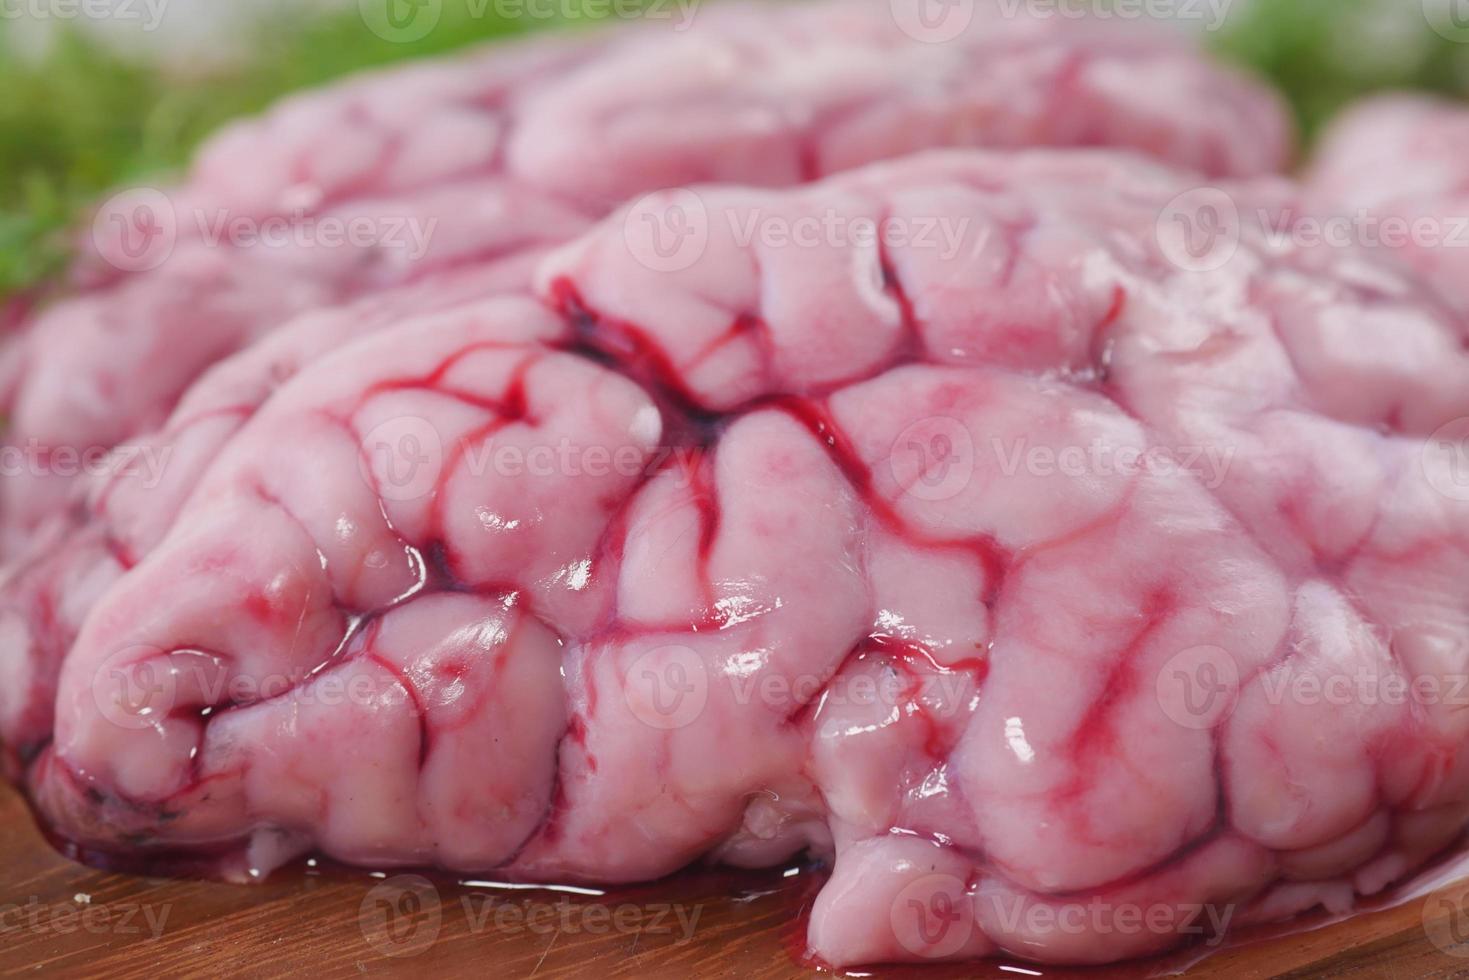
(61, 919)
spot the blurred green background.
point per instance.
(82, 117)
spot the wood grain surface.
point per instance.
(61, 919)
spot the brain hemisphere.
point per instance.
(940, 538)
(1395, 161)
(327, 551)
(488, 159)
(418, 695)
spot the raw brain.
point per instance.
(487, 161)
(500, 587)
(1398, 162)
